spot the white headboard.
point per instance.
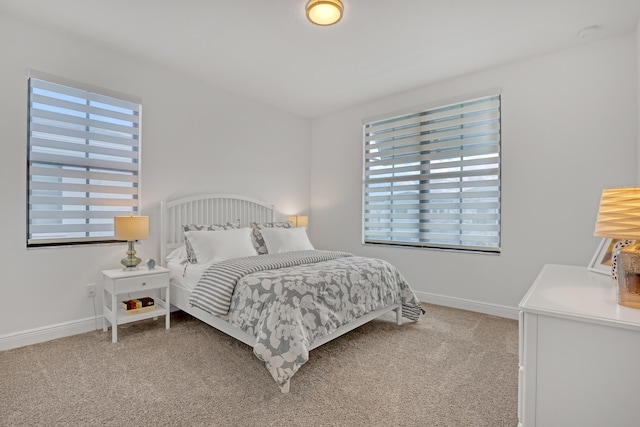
(207, 209)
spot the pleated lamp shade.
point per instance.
(619, 214)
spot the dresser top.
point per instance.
(575, 292)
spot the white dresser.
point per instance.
(579, 352)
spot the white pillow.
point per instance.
(178, 255)
(280, 240)
(216, 246)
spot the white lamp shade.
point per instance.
(619, 214)
(131, 228)
(324, 12)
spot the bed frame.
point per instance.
(217, 209)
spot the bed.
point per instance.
(283, 304)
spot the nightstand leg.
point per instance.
(168, 316)
(104, 306)
(114, 318)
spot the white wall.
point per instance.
(569, 129)
(194, 139)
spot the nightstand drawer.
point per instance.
(134, 284)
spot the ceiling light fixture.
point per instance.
(324, 12)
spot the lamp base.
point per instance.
(629, 276)
(614, 257)
(131, 261)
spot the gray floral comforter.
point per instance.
(287, 309)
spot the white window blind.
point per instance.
(83, 161)
(432, 177)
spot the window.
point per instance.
(83, 161)
(432, 176)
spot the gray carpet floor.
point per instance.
(453, 368)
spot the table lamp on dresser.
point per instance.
(619, 219)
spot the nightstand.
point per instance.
(120, 283)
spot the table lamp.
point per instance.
(131, 228)
(619, 218)
(299, 220)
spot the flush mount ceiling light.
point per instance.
(324, 12)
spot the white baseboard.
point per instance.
(47, 333)
(465, 304)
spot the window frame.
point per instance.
(416, 219)
(87, 155)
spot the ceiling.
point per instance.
(266, 50)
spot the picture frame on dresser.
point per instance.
(601, 261)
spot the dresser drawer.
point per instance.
(133, 284)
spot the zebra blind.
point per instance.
(432, 177)
(83, 161)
